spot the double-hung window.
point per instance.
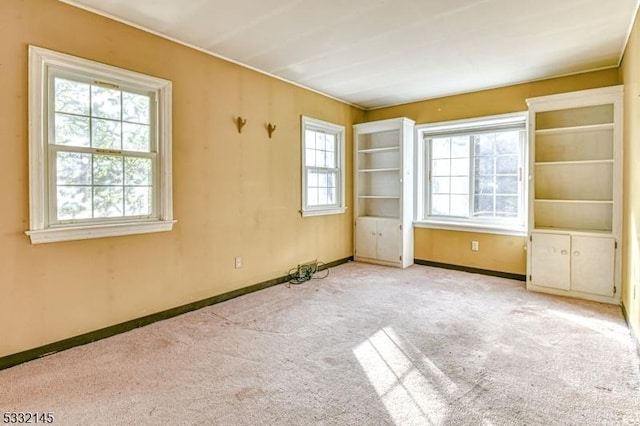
(100, 150)
(323, 182)
(472, 173)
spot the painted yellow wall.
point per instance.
(497, 252)
(494, 101)
(234, 194)
(630, 72)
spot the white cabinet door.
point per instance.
(592, 265)
(551, 260)
(378, 239)
(366, 237)
(389, 240)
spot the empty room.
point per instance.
(305, 212)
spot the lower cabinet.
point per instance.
(550, 261)
(575, 264)
(378, 240)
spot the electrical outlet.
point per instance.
(238, 262)
(475, 245)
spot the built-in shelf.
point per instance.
(573, 231)
(376, 217)
(378, 150)
(572, 163)
(392, 169)
(573, 129)
(574, 201)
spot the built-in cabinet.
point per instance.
(567, 262)
(379, 239)
(575, 194)
(384, 192)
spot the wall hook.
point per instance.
(240, 122)
(270, 129)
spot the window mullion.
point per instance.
(124, 174)
(429, 187)
(50, 151)
(522, 157)
(52, 184)
(93, 152)
(496, 189)
(472, 176)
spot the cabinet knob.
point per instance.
(563, 252)
(373, 233)
(380, 234)
(576, 253)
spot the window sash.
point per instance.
(54, 218)
(55, 148)
(335, 172)
(471, 214)
(322, 157)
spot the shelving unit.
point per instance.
(383, 191)
(575, 194)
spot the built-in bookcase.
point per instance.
(383, 191)
(574, 159)
(379, 161)
(575, 191)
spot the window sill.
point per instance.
(52, 235)
(323, 212)
(518, 231)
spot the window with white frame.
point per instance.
(323, 183)
(473, 173)
(99, 150)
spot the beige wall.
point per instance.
(494, 101)
(630, 72)
(234, 194)
(497, 252)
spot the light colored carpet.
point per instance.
(368, 345)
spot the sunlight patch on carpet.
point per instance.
(412, 389)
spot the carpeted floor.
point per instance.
(368, 345)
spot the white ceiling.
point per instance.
(375, 53)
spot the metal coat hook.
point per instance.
(240, 122)
(270, 129)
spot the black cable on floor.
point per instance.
(304, 273)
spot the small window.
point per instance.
(99, 149)
(323, 168)
(473, 173)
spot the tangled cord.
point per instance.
(304, 273)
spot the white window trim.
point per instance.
(452, 225)
(314, 123)
(41, 231)
(423, 221)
